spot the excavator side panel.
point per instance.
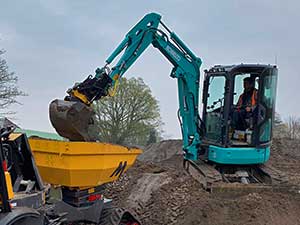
(238, 155)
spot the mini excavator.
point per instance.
(214, 150)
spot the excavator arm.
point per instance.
(185, 68)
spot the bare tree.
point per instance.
(293, 124)
(9, 91)
(280, 129)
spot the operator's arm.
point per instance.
(240, 102)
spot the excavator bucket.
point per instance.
(72, 120)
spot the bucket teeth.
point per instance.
(72, 120)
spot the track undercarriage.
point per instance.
(243, 178)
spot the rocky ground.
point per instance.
(159, 191)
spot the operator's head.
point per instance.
(249, 84)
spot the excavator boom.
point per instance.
(72, 118)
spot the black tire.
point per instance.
(23, 216)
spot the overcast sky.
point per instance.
(52, 44)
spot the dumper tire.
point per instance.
(117, 216)
(23, 216)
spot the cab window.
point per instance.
(214, 108)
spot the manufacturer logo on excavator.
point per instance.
(173, 53)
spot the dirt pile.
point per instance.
(285, 156)
(163, 150)
(161, 192)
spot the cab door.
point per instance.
(266, 106)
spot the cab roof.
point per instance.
(240, 68)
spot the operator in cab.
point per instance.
(245, 105)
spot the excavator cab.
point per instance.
(243, 140)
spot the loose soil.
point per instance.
(159, 191)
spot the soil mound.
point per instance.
(163, 150)
(159, 191)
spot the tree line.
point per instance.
(9, 90)
(288, 128)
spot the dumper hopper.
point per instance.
(81, 164)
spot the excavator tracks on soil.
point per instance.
(218, 178)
